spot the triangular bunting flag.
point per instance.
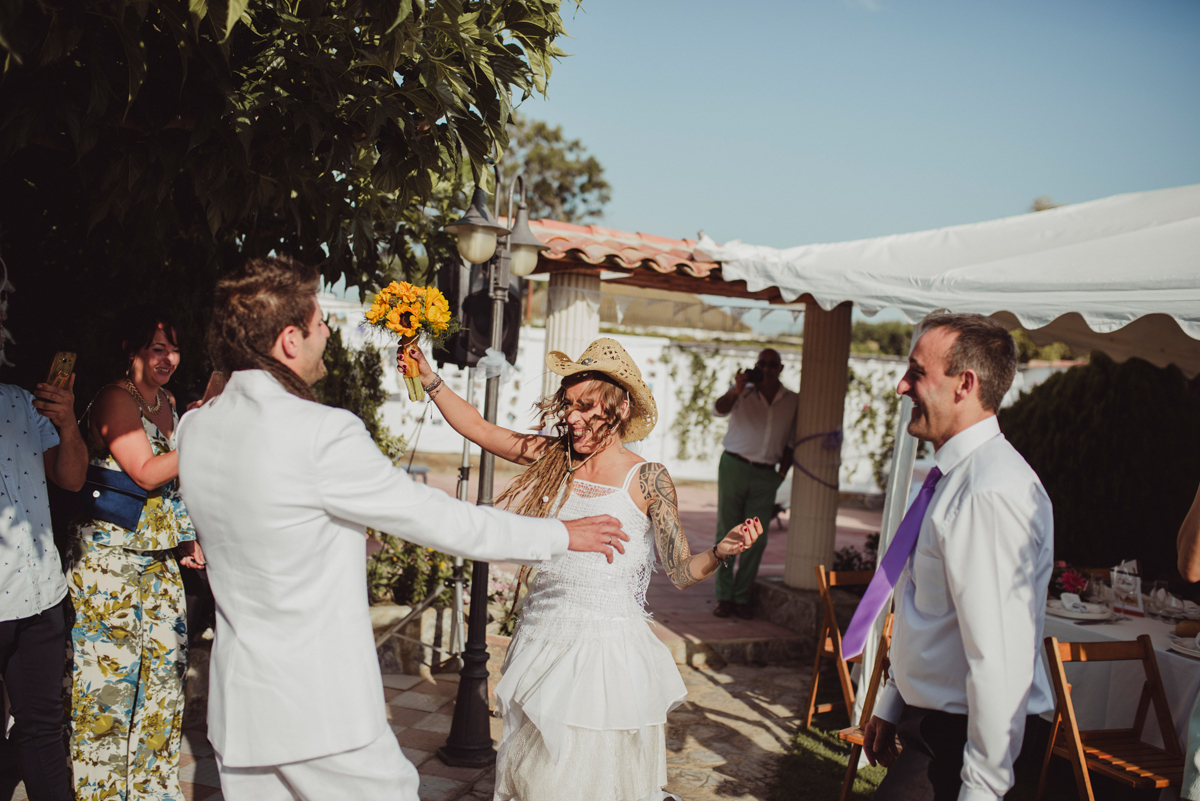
(623, 303)
(737, 312)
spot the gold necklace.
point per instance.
(158, 398)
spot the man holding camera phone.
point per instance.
(39, 440)
(758, 453)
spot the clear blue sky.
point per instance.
(786, 123)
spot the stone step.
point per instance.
(715, 653)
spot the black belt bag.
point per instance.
(108, 495)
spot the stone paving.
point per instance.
(724, 742)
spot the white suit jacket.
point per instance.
(280, 490)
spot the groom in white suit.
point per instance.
(280, 489)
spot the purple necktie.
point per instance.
(888, 574)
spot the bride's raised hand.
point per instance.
(739, 538)
(412, 360)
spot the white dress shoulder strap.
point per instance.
(632, 471)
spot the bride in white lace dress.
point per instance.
(586, 685)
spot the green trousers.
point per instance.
(743, 491)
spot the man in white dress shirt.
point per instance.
(967, 680)
(281, 489)
(762, 422)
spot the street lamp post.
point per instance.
(469, 743)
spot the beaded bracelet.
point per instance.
(435, 387)
(721, 562)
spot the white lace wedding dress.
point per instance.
(586, 685)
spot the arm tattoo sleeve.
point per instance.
(663, 511)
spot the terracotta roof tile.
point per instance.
(620, 250)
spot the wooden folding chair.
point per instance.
(854, 734)
(829, 639)
(1118, 754)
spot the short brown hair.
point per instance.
(253, 305)
(983, 345)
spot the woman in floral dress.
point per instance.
(130, 634)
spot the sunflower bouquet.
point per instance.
(407, 312)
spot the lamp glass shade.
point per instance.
(476, 244)
(524, 259)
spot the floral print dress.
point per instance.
(129, 647)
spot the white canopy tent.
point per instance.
(1121, 275)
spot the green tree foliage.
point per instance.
(403, 573)
(1027, 350)
(147, 146)
(878, 404)
(1115, 446)
(894, 338)
(354, 381)
(694, 422)
(563, 182)
(889, 338)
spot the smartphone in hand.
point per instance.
(61, 369)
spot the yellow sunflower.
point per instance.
(437, 309)
(404, 319)
(405, 292)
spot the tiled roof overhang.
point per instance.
(653, 262)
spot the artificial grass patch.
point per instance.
(815, 764)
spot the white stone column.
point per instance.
(572, 317)
(812, 524)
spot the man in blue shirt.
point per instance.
(32, 588)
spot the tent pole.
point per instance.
(812, 527)
(895, 504)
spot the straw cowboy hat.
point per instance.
(607, 356)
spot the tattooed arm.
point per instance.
(682, 566)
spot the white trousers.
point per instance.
(378, 771)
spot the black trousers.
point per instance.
(32, 657)
(929, 766)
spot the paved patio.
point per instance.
(723, 743)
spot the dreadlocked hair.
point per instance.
(253, 305)
(544, 478)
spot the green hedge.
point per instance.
(1117, 447)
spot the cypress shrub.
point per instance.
(1117, 447)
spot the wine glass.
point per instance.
(1172, 607)
(1154, 607)
(1100, 591)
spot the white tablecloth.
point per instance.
(1105, 694)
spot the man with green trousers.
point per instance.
(762, 420)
